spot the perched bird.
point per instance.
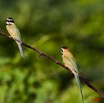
(14, 33)
(70, 62)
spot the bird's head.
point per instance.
(9, 21)
(63, 49)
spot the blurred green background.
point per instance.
(48, 25)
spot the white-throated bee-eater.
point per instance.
(69, 61)
(14, 33)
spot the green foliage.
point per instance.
(48, 25)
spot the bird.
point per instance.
(69, 61)
(14, 33)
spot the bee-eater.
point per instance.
(14, 33)
(69, 61)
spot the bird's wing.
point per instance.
(17, 33)
(72, 65)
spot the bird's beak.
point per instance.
(62, 50)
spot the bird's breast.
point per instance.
(11, 30)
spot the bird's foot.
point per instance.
(11, 37)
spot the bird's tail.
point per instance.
(21, 50)
(80, 87)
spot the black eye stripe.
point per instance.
(9, 19)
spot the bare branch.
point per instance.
(58, 63)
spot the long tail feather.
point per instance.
(80, 87)
(21, 50)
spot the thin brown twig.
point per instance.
(58, 63)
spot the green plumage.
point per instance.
(14, 32)
(70, 62)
